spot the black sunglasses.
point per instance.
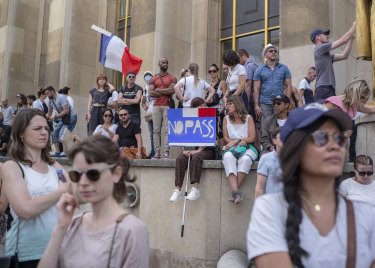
(131, 76)
(212, 71)
(321, 138)
(272, 51)
(276, 103)
(364, 173)
(124, 114)
(107, 115)
(93, 174)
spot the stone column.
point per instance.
(365, 136)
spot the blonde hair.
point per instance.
(354, 91)
(240, 108)
(194, 68)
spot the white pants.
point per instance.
(242, 164)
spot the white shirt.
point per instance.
(111, 99)
(281, 122)
(100, 130)
(303, 84)
(233, 78)
(355, 191)
(192, 91)
(266, 233)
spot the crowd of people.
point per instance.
(299, 135)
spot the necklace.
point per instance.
(317, 207)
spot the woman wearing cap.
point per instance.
(239, 134)
(147, 105)
(106, 236)
(192, 86)
(98, 100)
(306, 224)
(361, 187)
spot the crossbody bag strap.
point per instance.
(55, 106)
(119, 219)
(351, 245)
(18, 224)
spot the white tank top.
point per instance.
(34, 233)
(237, 131)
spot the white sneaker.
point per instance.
(194, 194)
(176, 195)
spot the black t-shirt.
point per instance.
(130, 93)
(127, 135)
(4, 139)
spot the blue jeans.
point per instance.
(151, 131)
(135, 118)
(59, 129)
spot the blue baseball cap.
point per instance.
(317, 32)
(306, 115)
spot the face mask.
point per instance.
(148, 78)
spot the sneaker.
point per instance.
(166, 155)
(231, 197)
(238, 197)
(176, 195)
(156, 156)
(63, 154)
(55, 155)
(194, 194)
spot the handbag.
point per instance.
(351, 246)
(236, 150)
(66, 118)
(12, 260)
(215, 100)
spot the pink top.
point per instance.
(337, 101)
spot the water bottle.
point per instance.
(60, 175)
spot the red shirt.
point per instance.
(162, 82)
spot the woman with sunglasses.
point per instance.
(108, 129)
(361, 187)
(239, 133)
(192, 86)
(309, 224)
(32, 187)
(107, 236)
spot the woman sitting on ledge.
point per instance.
(238, 153)
(197, 154)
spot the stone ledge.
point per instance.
(365, 118)
(168, 163)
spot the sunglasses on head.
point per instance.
(93, 174)
(212, 71)
(321, 138)
(364, 173)
(124, 114)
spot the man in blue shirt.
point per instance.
(269, 80)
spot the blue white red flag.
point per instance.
(114, 54)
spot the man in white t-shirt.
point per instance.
(305, 90)
(269, 170)
(7, 112)
(281, 105)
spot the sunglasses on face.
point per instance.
(93, 174)
(364, 173)
(272, 51)
(131, 76)
(212, 71)
(124, 114)
(321, 138)
(276, 103)
(107, 115)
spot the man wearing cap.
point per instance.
(269, 80)
(281, 104)
(161, 88)
(130, 96)
(325, 81)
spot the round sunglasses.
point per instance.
(321, 138)
(93, 174)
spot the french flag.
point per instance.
(114, 54)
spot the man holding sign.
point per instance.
(197, 154)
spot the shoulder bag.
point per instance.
(12, 260)
(66, 118)
(215, 100)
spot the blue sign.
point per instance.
(192, 127)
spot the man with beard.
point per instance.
(161, 88)
(128, 134)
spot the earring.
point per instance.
(21, 139)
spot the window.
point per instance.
(249, 25)
(123, 27)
